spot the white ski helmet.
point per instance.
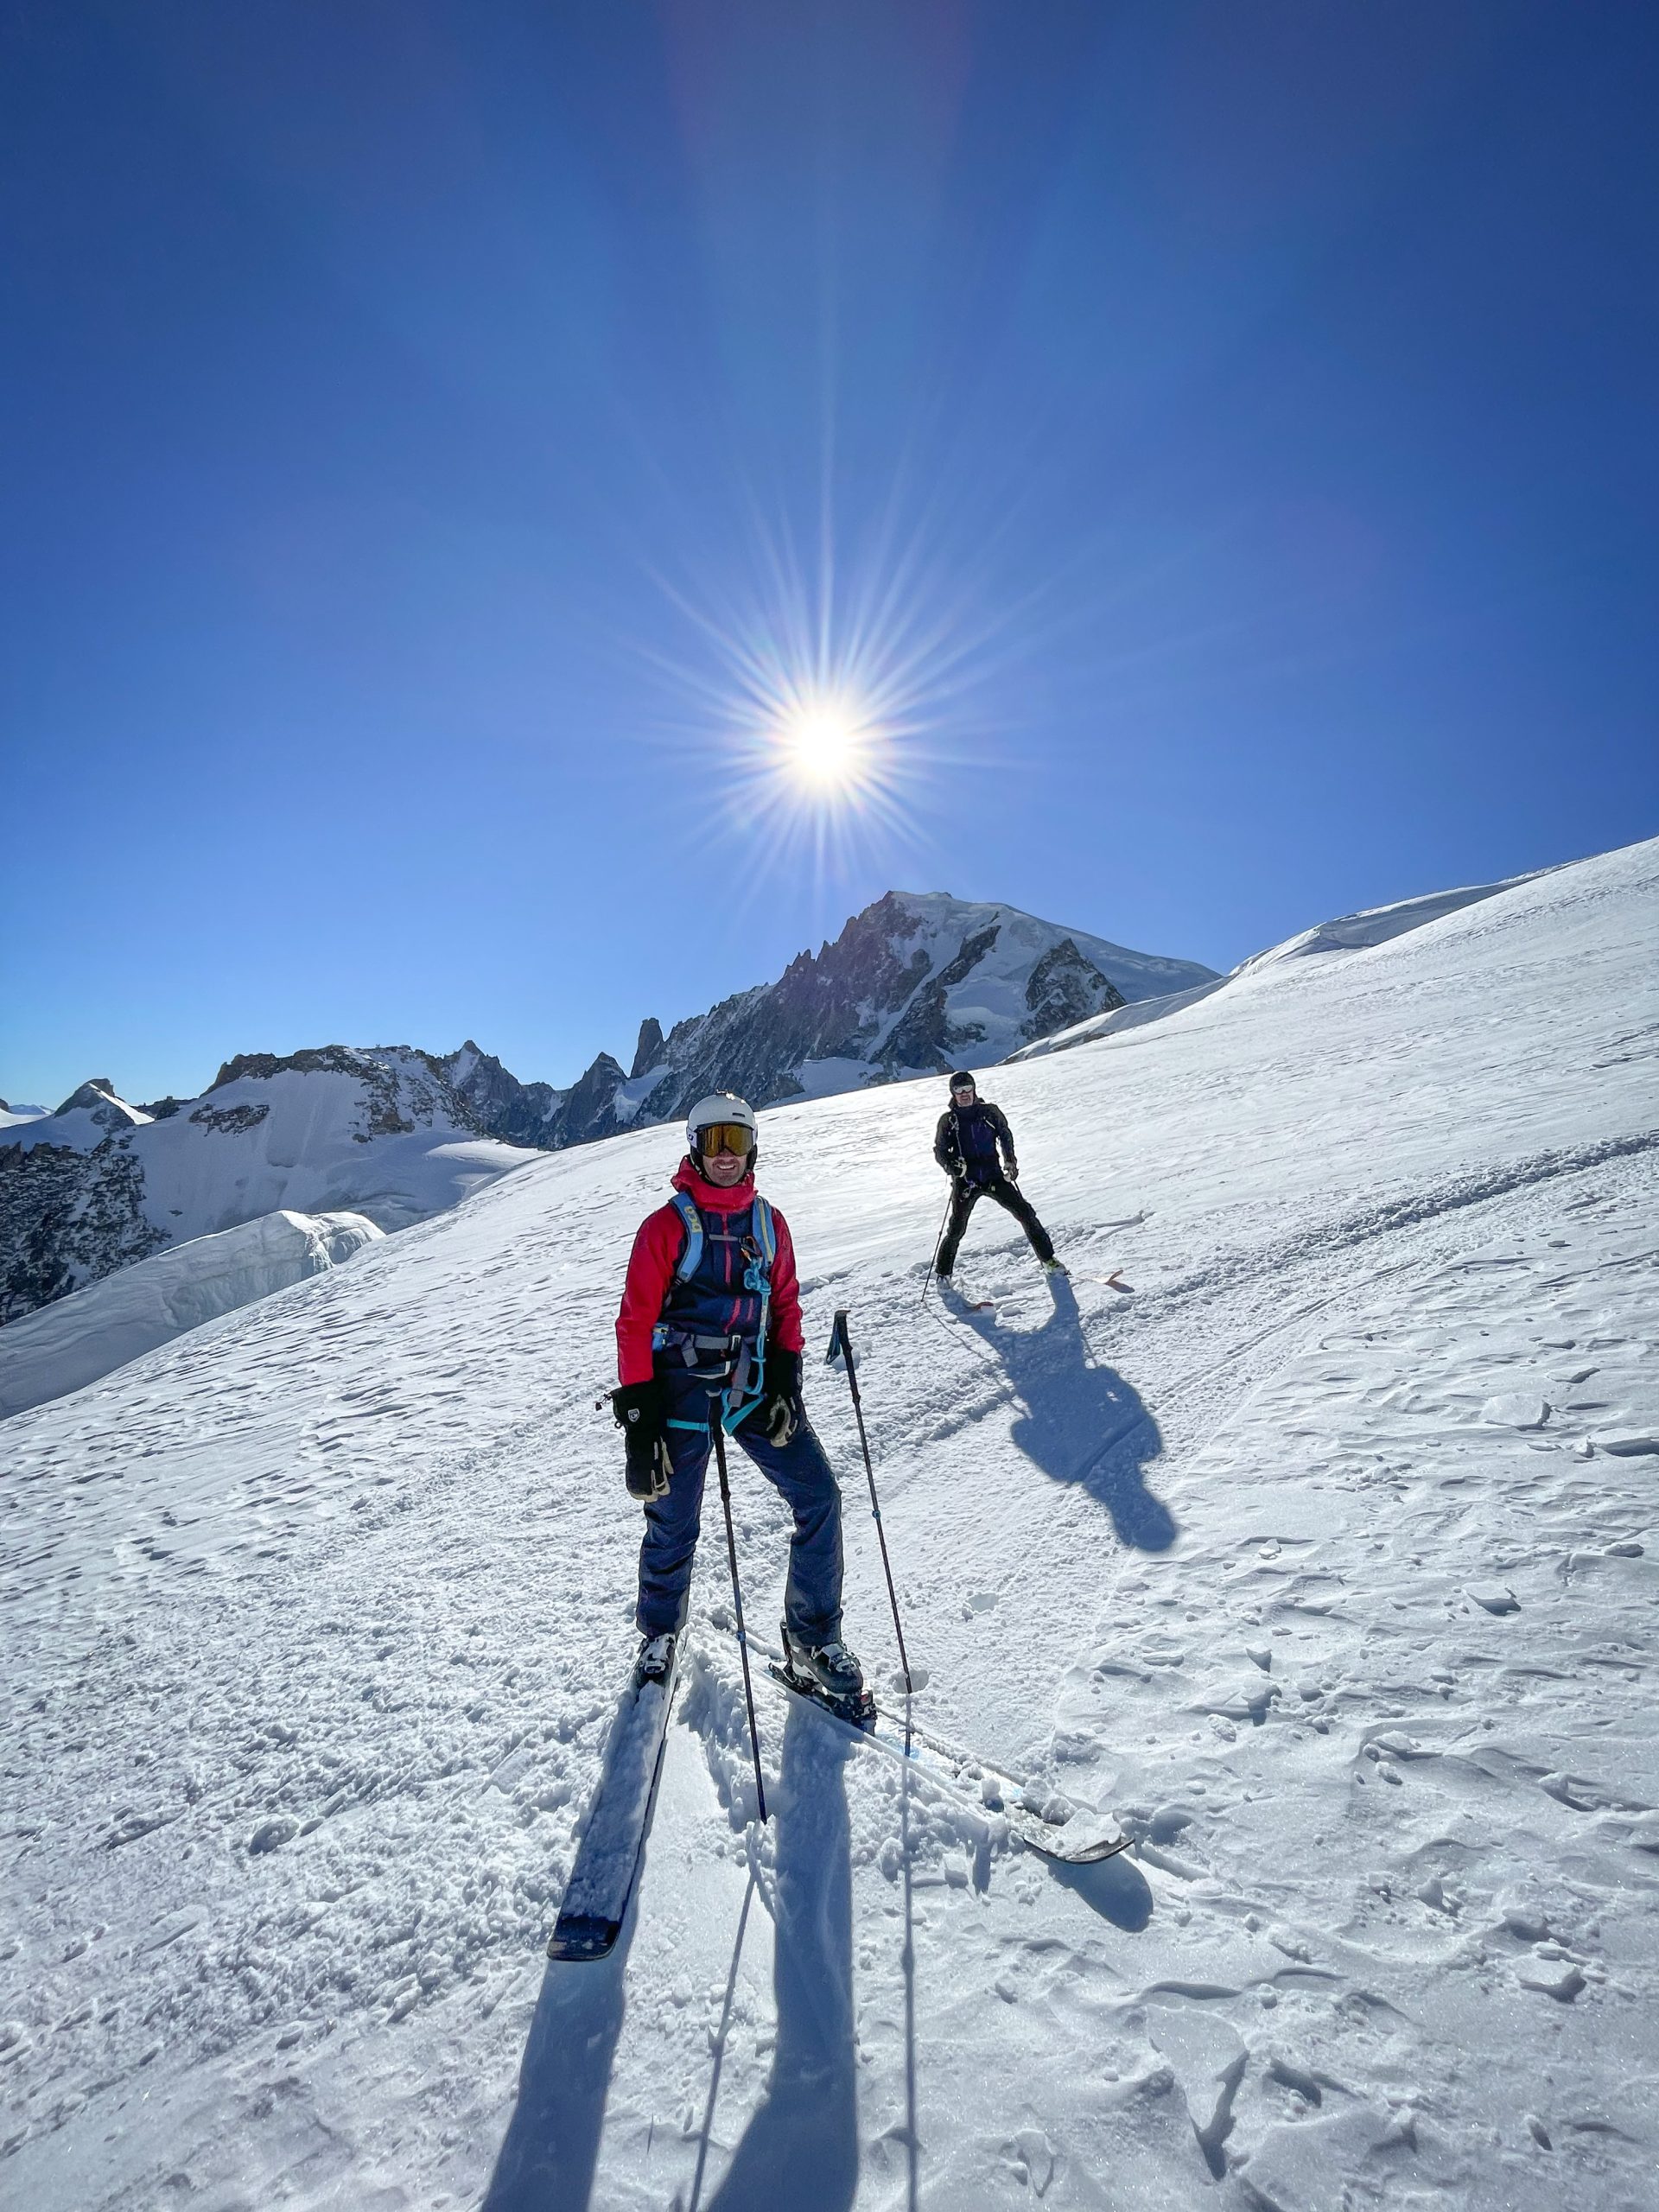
(718, 1108)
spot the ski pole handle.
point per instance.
(841, 1347)
(841, 1342)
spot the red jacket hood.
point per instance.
(709, 1198)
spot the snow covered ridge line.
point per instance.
(1360, 932)
(102, 1184)
(77, 1340)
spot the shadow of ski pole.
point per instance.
(800, 2148)
(720, 2046)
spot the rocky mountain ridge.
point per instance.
(102, 1183)
(914, 985)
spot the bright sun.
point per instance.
(824, 743)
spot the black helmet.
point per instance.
(962, 1080)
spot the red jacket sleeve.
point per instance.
(651, 1269)
(784, 1324)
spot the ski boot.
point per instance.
(830, 1673)
(655, 1663)
(1053, 1267)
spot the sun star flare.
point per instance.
(825, 744)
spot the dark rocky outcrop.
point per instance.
(1065, 988)
(501, 1106)
(649, 1051)
(67, 1216)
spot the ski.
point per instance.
(1078, 1839)
(618, 1819)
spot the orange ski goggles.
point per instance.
(727, 1136)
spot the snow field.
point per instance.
(1327, 1558)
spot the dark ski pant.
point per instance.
(1008, 1195)
(798, 1470)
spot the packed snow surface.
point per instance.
(1359, 932)
(74, 1341)
(1325, 1557)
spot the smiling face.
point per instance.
(722, 1169)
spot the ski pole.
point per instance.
(737, 1600)
(927, 1279)
(841, 1342)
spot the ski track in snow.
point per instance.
(1326, 1559)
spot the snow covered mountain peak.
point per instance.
(399, 1089)
(87, 1115)
(915, 982)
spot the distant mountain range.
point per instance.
(914, 985)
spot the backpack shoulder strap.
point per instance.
(765, 1229)
(691, 1258)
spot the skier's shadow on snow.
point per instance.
(800, 2148)
(546, 2163)
(1083, 1422)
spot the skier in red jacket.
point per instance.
(710, 1330)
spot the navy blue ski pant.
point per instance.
(798, 1470)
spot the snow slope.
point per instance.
(1359, 933)
(1327, 1557)
(100, 1183)
(77, 1339)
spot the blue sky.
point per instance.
(1219, 439)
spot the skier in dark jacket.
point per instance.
(971, 1133)
(710, 1330)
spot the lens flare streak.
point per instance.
(828, 702)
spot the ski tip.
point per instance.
(582, 1937)
(1087, 1847)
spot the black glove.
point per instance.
(781, 1413)
(1012, 1170)
(642, 1415)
